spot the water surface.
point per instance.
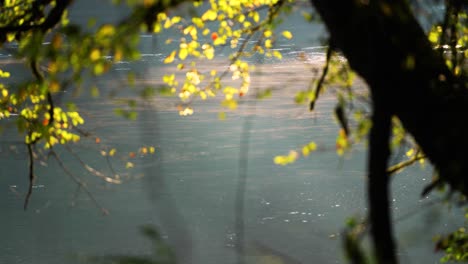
(187, 189)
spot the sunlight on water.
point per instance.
(293, 214)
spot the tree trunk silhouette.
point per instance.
(378, 184)
(386, 46)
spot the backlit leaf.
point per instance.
(170, 58)
(287, 34)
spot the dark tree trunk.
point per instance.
(386, 46)
(378, 184)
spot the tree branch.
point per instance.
(424, 94)
(319, 86)
(31, 175)
(79, 182)
(401, 165)
(52, 19)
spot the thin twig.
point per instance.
(109, 164)
(91, 170)
(411, 213)
(52, 19)
(319, 86)
(395, 168)
(79, 182)
(31, 175)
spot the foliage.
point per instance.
(455, 246)
(245, 28)
(450, 37)
(76, 53)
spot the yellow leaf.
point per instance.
(176, 19)
(277, 54)
(187, 111)
(410, 152)
(162, 16)
(157, 28)
(99, 69)
(278, 160)
(256, 17)
(170, 58)
(193, 33)
(229, 103)
(219, 41)
(287, 34)
(203, 95)
(106, 30)
(167, 23)
(54, 87)
(144, 150)
(210, 15)
(118, 55)
(129, 165)
(168, 78)
(198, 22)
(305, 151)
(4, 74)
(183, 53)
(312, 146)
(112, 152)
(433, 37)
(221, 115)
(11, 37)
(95, 54)
(209, 52)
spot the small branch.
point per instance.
(51, 108)
(80, 183)
(92, 170)
(54, 16)
(82, 132)
(319, 86)
(413, 212)
(40, 79)
(109, 164)
(52, 19)
(395, 168)
(31, 175)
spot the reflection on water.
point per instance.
(293, 214)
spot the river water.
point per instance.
(187, 189)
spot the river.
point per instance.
(187, 189)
